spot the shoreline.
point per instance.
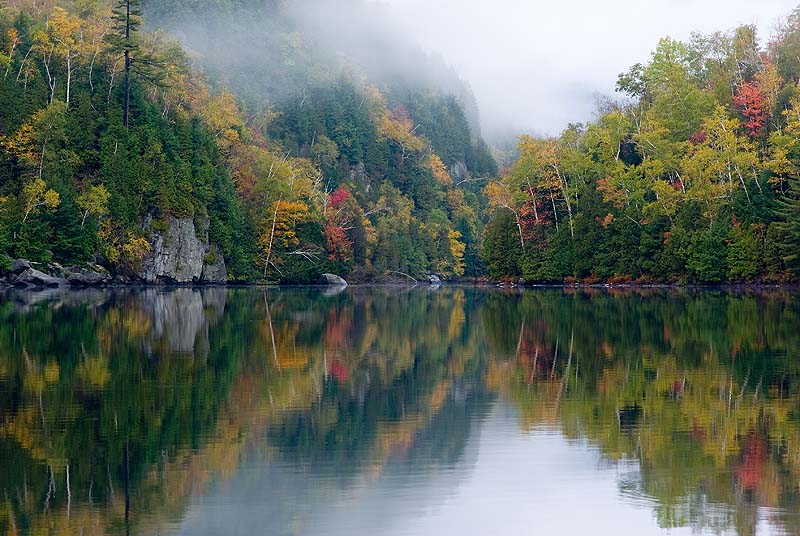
(402, 284)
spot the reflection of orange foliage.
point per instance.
(339, 325)
(754, 456)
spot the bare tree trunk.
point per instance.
(533, 199)
(271, 237)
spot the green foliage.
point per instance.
(501, 248)
(683, 184)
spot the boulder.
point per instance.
(56, 270)
(34, 278)
(434, 279)
(20, 265)
(79, 276)
(333, 280)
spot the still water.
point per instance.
(399, 411)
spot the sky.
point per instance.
(537, 65)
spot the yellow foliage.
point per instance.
(457, 249)
(51, 372)
(22, 144)
(94, 200)
(134, 251)
(439, 170)
(221, 114)
(35, 194)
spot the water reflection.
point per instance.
(398, 410)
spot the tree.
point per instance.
(280, 231)
(93, 200)
(35, 194)
(127, 18)
(751, 104)
(500, 196)
(790, 226)
(67, 36)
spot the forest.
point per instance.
(109, 129)
(305, 155)
(690, 175)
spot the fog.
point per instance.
(537, 65)
(268, 51)
(533, 66)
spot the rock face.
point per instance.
(459, 170)
(182, 254)
(333, 280)
(214, 270)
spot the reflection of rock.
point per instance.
(180, 315)
(333, 280)
(26, 300)
(179, 255)
(333, 290)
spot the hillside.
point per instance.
(335, 173)
(690, 176)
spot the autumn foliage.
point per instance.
(750, 102)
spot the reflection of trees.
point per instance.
(185, 382)
(385, 363)
(701, 390)
(95, 393)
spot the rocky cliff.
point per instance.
(182, 253)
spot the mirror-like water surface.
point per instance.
(399, 411)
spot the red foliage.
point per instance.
(339, 371)
(750, 102)
(698, 137)
(338, 197)
(339, 245)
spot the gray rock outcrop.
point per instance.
(182, 254)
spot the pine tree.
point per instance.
(790, 227)
(127, 19)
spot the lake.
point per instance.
(399, 411)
